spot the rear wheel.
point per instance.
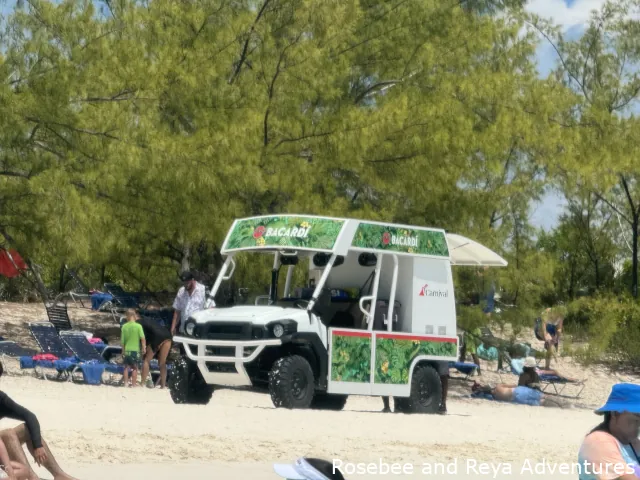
(426, 390)
(325, 401)
(186, 384)
(291, 382)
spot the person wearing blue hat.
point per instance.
(611, 450)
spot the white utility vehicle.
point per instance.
(315, 346)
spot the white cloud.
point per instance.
(578, 13)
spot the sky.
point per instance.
(572, 16)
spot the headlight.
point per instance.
(190, 328)
(278, 330)
(281, 328)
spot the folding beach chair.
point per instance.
(466, 368)
(92, 363)
(121, 299)
(58, 316)
(163, 316)
(11, 349)
(47, 338)
(80, 290)
(558, 384)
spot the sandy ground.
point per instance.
(100, 432)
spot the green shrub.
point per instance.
(611, 327)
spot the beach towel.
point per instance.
(92, 372)
(98, 299)
(489, 354)
(44, 356)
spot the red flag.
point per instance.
(7, 268)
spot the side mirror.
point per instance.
(367, 259)
(322, 259)
(289, 260)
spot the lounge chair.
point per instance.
(80, 291)
(163, 316)
(466, 368)
(550, 381)
(47, 338)
(14, 350)
(122, 299)
(92, 363)
(59, 316)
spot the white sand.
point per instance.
(107, 432)
(112, 432)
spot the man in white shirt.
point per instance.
(190, 299)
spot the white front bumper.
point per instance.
(240, 357)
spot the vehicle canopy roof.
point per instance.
(309, 233)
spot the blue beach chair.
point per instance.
(466, 368)
(91, 364)
(47, 338)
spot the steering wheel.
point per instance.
(303, 304)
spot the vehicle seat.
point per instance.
(382, 308)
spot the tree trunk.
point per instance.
(102, 276)
(62, 282)
(40, 286)
(185, 261)
(634, 271)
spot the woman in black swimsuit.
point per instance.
(16, 465)
(158, 345)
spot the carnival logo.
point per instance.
(404, 240)
(425, 291)
(294, 232)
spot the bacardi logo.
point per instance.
(404, 240)
(296, 232)
(425, 291)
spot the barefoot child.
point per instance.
(132, 337)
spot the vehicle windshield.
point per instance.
(255, 282)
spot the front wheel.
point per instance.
(291, 383)
(186, 385)
(426, 390)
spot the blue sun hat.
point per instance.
(624, 397)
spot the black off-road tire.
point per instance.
(400, 405)
(291, 383)
(326, 401)
(426, 390)
(186, 385)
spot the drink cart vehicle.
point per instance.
(380, 315)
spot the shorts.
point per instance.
(551, 329)
(527, 396)
(443, 368)
(131, 359)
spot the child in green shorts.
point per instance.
(132, 337)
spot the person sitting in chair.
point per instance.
(527, 392)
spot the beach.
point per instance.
(106, 431)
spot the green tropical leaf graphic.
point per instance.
(351, 359)
(394, 357)
(285, 231)
(404, 240)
